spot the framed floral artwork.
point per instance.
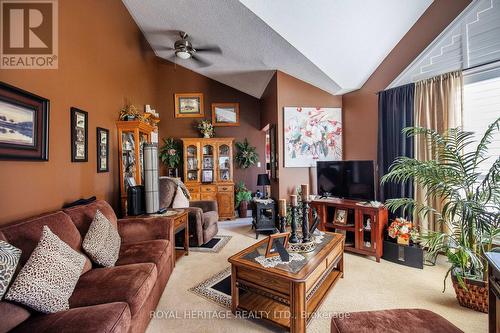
(311, 135)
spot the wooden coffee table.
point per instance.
(287, 294)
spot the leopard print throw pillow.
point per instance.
(49, 277)
(102, 241)
(9, 258)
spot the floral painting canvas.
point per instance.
(311, 135)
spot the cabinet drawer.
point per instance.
(208, 189)
(193, 189)
(208, 196)
(336, 251)
(195, 196)
(180, 221)
(225, 188)
(316, 274)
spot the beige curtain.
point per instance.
(438, 106)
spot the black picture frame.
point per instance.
(102, 147)
(30, 139)
(76, 135)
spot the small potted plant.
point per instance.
(206, 128)
(243, 197)
(170, 156)
(246, 156)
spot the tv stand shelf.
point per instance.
(363, 225)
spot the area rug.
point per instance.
(214, 245)
(216, 289)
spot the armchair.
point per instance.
(203, 215)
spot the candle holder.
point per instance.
(282, 223)
(293, 236)
(305, 222)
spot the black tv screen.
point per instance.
(347, 179)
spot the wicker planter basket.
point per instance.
(476, 297)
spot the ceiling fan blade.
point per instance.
(200, 62)
(210, 48)
(163, 48)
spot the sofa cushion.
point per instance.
(180, 200)
(47, 280)
(210, 218)
(102, 241)
(130, 283)
(154, 251)
(83, 215)
(12, 315)
(26, 234)
(103, 318)
(167, 189)
(9, 258)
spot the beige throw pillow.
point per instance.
(102, 241)
(180, 200)
(49, 277)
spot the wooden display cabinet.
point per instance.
(363, 225)
(131, 137)
(208, 172)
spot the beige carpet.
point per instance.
(367, 285)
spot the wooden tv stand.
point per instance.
(361, 237)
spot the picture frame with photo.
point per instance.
(79, 135)
(271, 250)
(24, 125)
(102, 144)
(207, 176)
(189, 105)
(340, 216)
(225, 114)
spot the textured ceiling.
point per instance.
(333, 44)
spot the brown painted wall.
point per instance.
(175, 79)
(361, 106)
(100, 64)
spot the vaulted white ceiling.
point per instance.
(332, 44)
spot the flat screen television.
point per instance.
(347, 179)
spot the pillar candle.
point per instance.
(293, 200)
(282, 207)
(305, 192)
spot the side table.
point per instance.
(181, 223)
(264, 216)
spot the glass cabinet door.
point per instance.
(143, 138)
(128, 160)
(192, 163)
(207, 167)
(224, 163)
(367, 232)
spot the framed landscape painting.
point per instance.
(24, 125)
(79, 135)
(226, 114)
(189, 105)
(311, 135)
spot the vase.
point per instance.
(206, 135)
(243, 209)
(475, 297)
(403, 240)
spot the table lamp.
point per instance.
(263, 180)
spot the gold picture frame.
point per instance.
(340, 216)
(189, 105)
(271, 250)
(226, 114)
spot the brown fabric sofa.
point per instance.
(115, 299)
(203, 214)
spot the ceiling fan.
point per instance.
(184, 49)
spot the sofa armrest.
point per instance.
(205, 205)
(145, 228)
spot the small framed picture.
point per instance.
(207, 163)
(226, 114)
(102, 143)
(24, 125)
(207, 176)
(189, 105)
(282, 238)
(340, 216)
(79, 135)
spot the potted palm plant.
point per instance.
(243, 197)
(471, 199)
(246, 155)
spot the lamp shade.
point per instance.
(263, 179)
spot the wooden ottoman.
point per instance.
(393, 321)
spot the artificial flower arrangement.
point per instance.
(206, 128)
(403, 230)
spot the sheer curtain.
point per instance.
(438, 106)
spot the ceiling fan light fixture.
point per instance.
(183, 54)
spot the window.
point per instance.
(481, 108)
